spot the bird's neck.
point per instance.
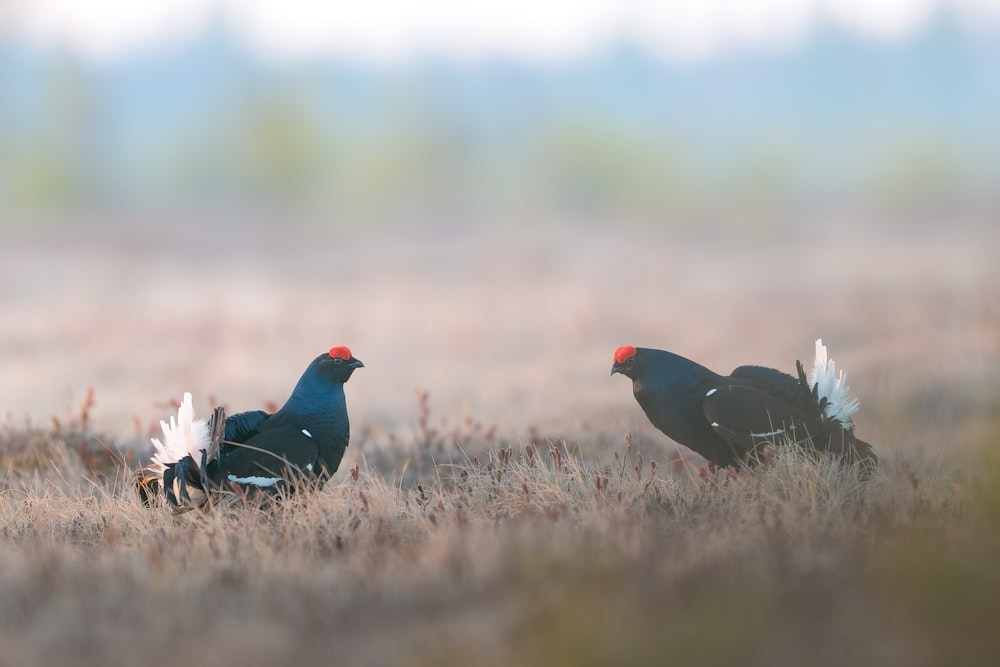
(307, 401)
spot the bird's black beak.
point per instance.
(355, 363)
(616, 368)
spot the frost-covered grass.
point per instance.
(507, 553)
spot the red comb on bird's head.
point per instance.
(340, 352)
(624, 353)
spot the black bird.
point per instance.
(728, 418)
(303, 441)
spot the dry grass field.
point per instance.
(503, 500)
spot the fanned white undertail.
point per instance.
(832, 386)
(182, 436)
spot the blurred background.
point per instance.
(484, 199)
(390, 109)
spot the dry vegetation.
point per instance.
(520, 527)
(523, 553)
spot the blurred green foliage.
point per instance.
(836, 124)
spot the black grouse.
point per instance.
(728, 418)
(303, 441)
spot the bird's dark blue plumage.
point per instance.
(304, 440)
(725, 418)
(241, 426)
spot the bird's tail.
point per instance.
(183, 436)
(828, 392)
(177, 466)
(862, 453)
(831, 389)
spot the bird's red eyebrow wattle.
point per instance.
(624, 353)
(340, 352)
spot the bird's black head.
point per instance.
(337, 364)
(625, 361)
(323, 382)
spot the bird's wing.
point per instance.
(241, 426)
(746, 416)
(773, 381)
(269, 458)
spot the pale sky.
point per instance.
(388, 31)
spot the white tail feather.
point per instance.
(833, 386)
(182, 436)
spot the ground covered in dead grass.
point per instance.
(525, 553)
(519, 527)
